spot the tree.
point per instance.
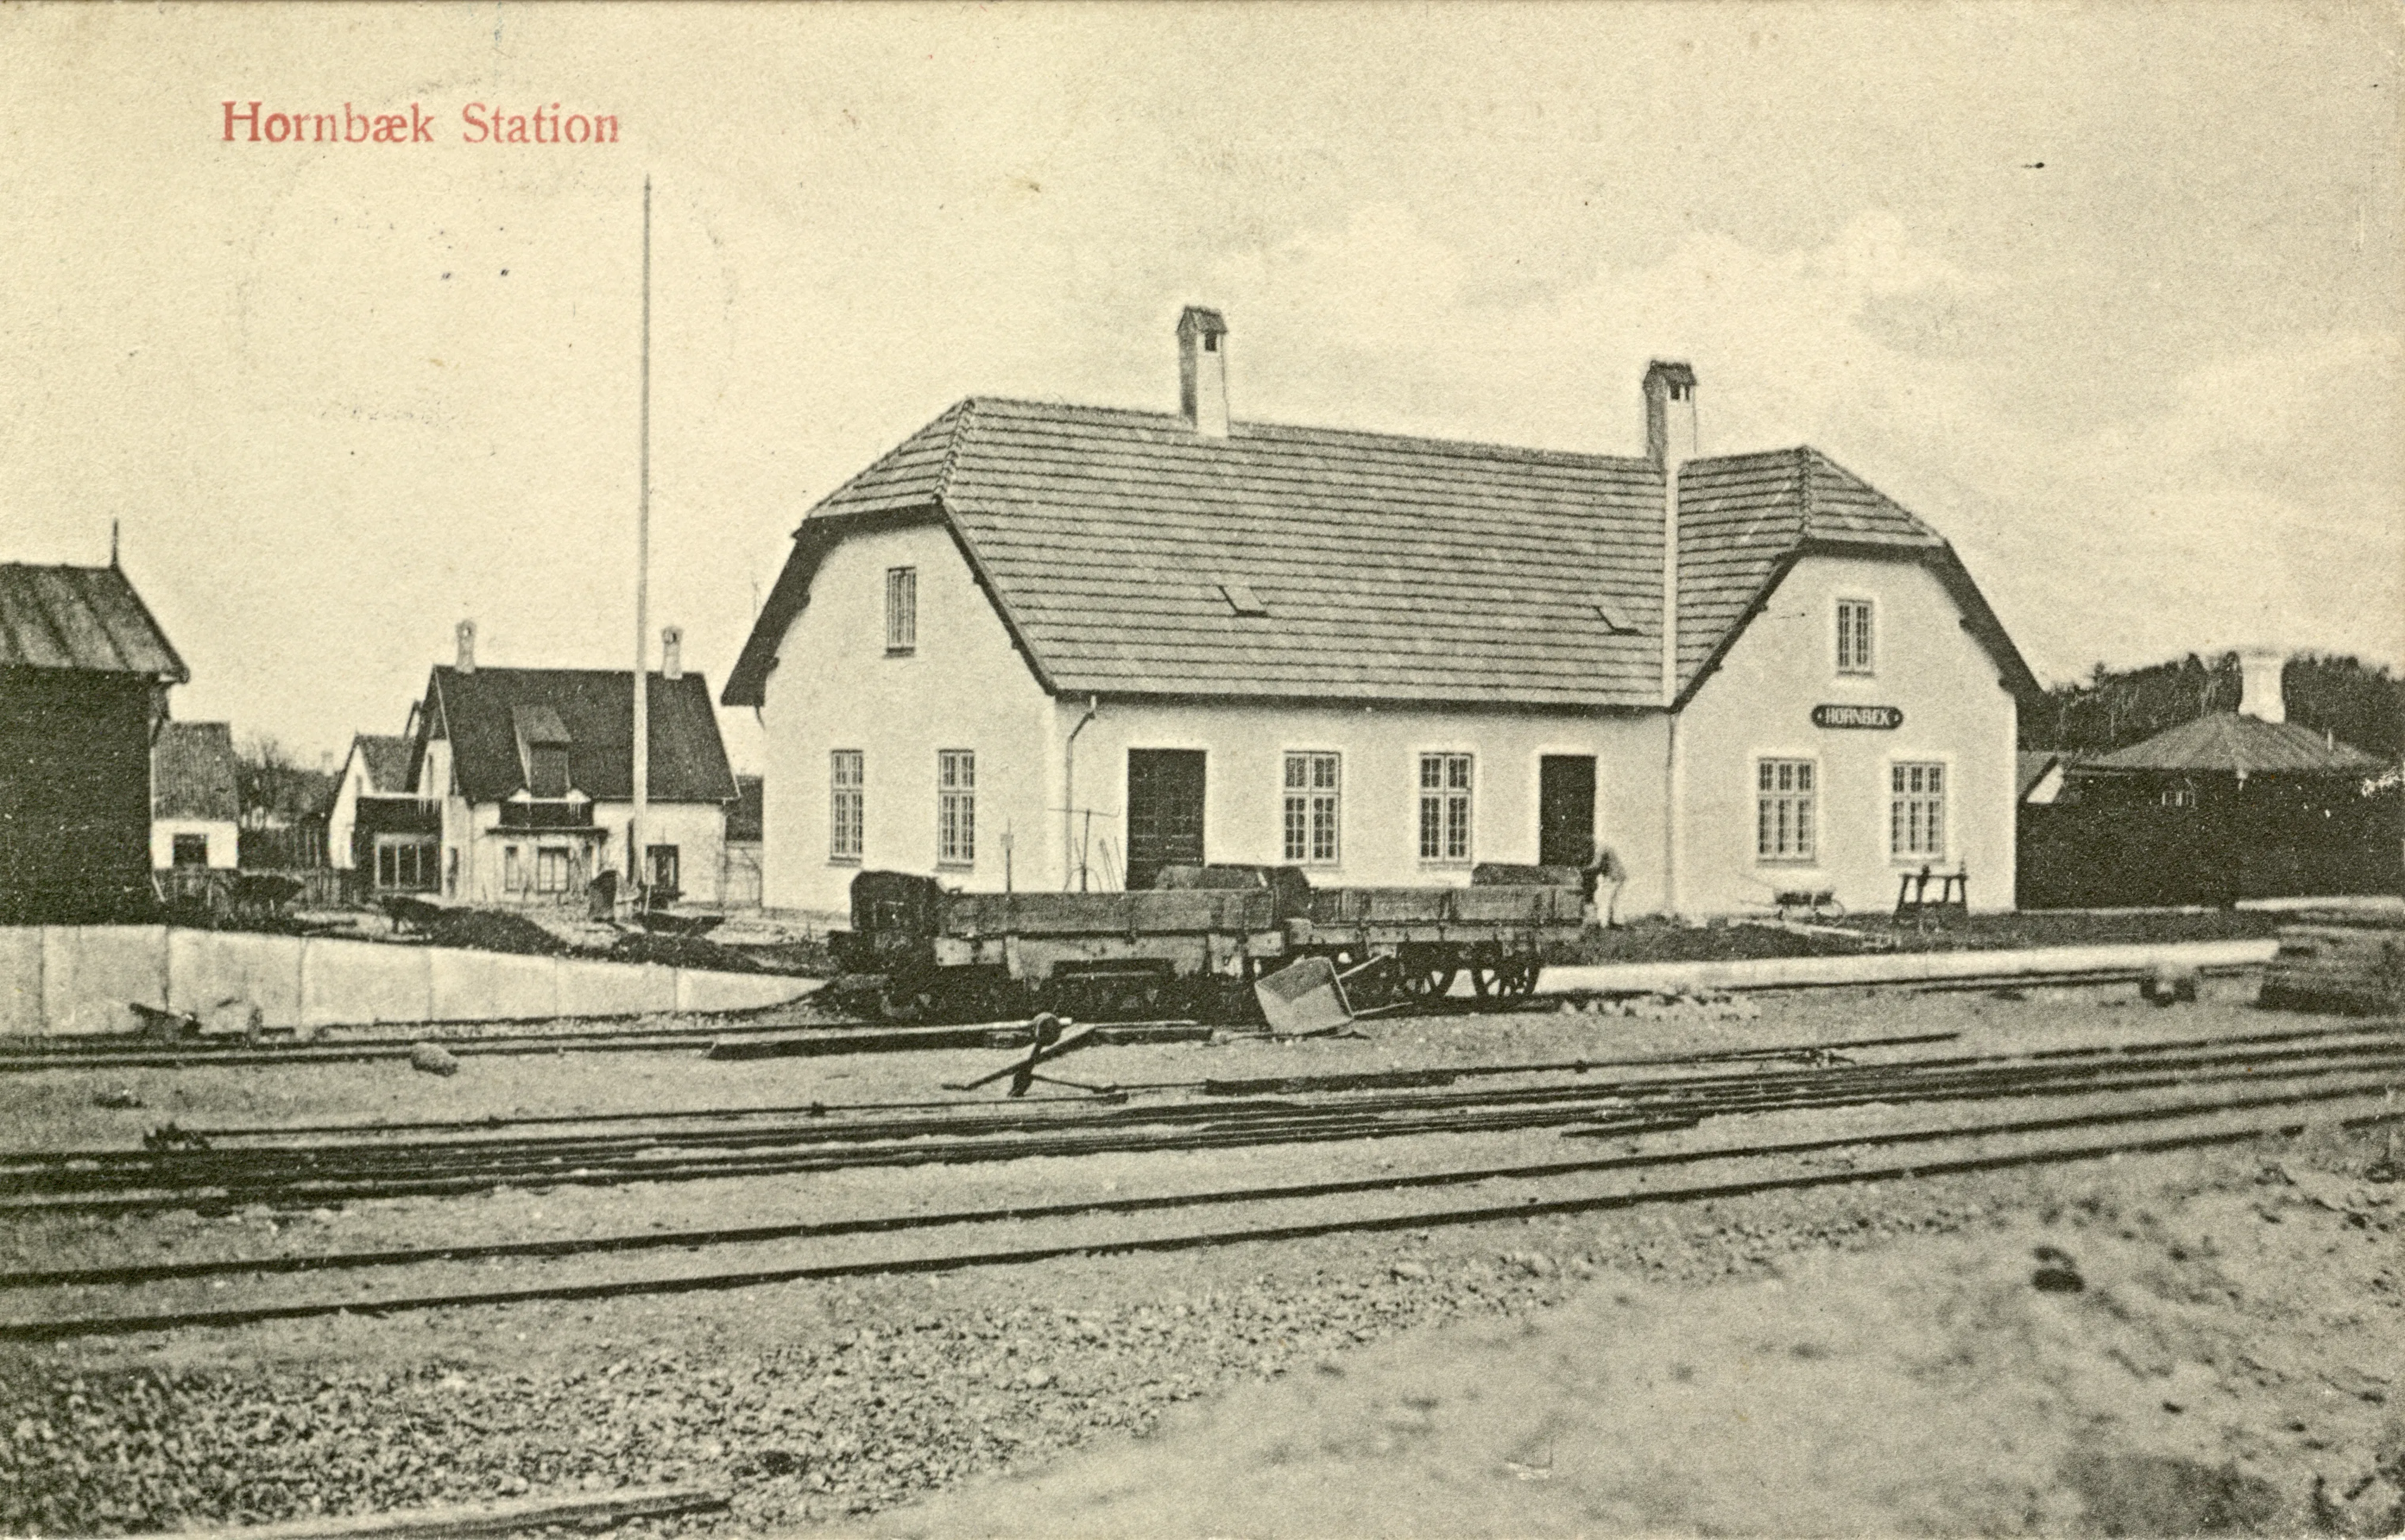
(2355, 703)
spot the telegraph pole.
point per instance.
(641, 749)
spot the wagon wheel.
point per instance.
(1431, 982)
(1517, 979)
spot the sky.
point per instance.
(2108, 293)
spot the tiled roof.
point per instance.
(1390, 568)
(80, 618)
(596, 708)
(193, 772)
(2225, 742)
(386, 759)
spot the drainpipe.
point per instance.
(1069, 791)
(1672, 777)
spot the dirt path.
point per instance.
(2225, 1365)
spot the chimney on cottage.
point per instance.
(467, 646)
(2260, 697)
(1669, 411)
(1669, 442)
(1203, 371)
(672, 652)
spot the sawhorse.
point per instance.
(1912, 896)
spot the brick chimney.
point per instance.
(1669, 411)
(467, 646)
(2260, 697)
(1203, 371)
(672, 653)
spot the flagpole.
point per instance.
(641, 750)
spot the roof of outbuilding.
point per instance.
(1391, 567)
(2030, 767)
(2227, 742)
(478, 710)
(193, 772)
(80, 618)
(386, 759)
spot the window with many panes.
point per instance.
(1915, 811)
(1445, 807)
(901, 608)
(1314, 784)
(1853, 636)
(955, 806)
(847, 791)
(407, 864)
(1786, 809)
(551, 870)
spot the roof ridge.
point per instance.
(1806, 505)
(964, 412)
(1262, 427)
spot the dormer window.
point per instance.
(547, 771)
(542, 750)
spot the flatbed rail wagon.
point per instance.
(1198, 942)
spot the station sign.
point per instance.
(1885, 718)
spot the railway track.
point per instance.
(1938, 1113)
(460, 1276)
(1571, 1098)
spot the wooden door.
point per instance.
(1565, 810)
(1164, 812)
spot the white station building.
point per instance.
(1047, 646)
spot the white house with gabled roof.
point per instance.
(1040, 645)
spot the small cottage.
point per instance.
(195, 799)
(527, 778)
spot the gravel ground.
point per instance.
(831, 1401)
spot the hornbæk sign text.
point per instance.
(1883, 717)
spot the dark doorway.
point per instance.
(1164, 812)
(1565, 810)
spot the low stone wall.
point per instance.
(63, 980)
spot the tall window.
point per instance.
(1445, 807)
(1314, 783)
(551, 870)
(663, 867)
(901, 608)
(955, 806)
(1915, 811)
(512, 870)
(1853, 636)
(847, 779)
(1785, 810)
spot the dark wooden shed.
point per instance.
(84, 675)
(2226, 807)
